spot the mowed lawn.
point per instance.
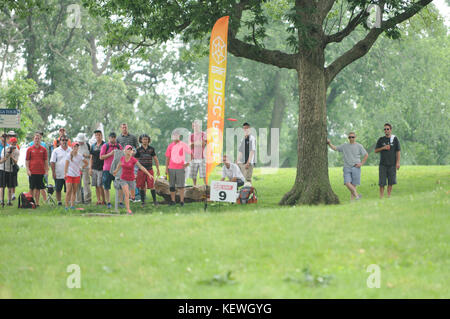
(235, 251)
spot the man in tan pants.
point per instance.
(84, 150)
(247, 151)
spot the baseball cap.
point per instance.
(13, 140)
(128, 146)
(112, 134)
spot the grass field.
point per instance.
(234, 251)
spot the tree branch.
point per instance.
(363, 46)
(339, 36)
(274, 57)
(243, 49)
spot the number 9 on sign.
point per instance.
(222, 191)
(222, 195)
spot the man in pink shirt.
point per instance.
(175, 165)
(107, 156)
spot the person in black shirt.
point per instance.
(389, 148)
(96, 167)
(146, 155)
(247, 153)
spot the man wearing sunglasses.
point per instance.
(352, 153)
(389, 148)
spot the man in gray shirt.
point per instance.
(352, 163)
(126, 138)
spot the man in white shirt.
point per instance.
(57, 163)
(232, 172)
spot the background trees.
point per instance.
(97, 73)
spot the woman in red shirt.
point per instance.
(127, 178)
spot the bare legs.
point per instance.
(71, 194)
(389, 190)
(352, 189)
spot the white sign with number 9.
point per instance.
(223, 191)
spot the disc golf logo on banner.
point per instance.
(220, 50)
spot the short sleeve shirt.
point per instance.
(247, 145)
(59, 158)
(177, 152)
(97, 163)
(107, 162)
(6, 166)
(145, 156)
(232, 172)
(197, 150)
(36, 157)
(128, 168)
(388, 157)
(129, 139)
(352, 153)
(75, 164)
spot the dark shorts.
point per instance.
(389, 173)
(7, 179)
(36, 181)
(107, 179)
(60, 183)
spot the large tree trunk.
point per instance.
(312, 185)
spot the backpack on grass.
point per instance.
(25, 200)
(247, 195)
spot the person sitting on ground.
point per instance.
(58, 164)
(72, 173)
(232, 172)
(127, 178)
(146, 155)
(7, 179)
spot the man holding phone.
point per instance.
(389, 148)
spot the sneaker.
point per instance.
(109, 206)
(358, 197)
(137, 200)
(66, 208)
(121, 205)
(14, 197)
(129, 212)
(9, 203)
(72, 207)
(59, 204)
(143, 204)
(103, 203)
(155, 203)
(171, 203)
(181, 204)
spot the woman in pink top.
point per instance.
(127, 178)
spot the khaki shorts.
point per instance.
(247, 172)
